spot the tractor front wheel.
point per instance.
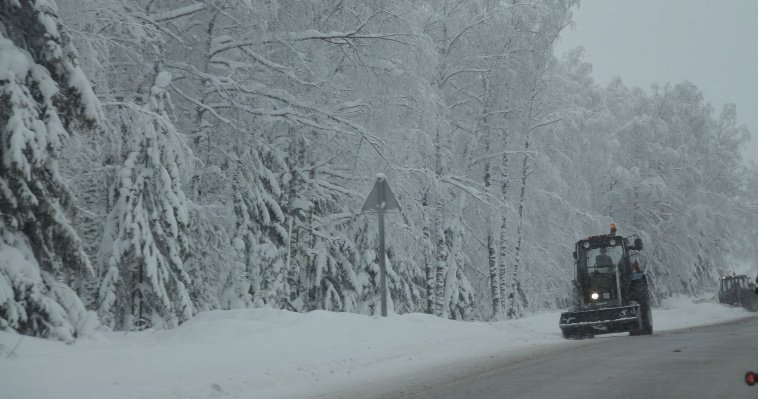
(572, 333)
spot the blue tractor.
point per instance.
(610, 290)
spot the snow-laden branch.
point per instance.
(200, 104)
(333, 37)
(311, 34)
(275, 66)
(463, 184)
(475, 21)
(177, 12)
(498, 154)
(460, 71)
(288, 113)
(373, 140)
(332, 187)
(543, 124)
(134, 107)
(465, 101)
(291, 114)
(158, 26)
(340, 37)
(214, 58)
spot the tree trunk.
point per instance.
(441, 256)
(502, 264)
(505, 186)
(429, 260)
(516, 296)
(494, 280)
(202, 131)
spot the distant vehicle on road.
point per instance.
(738, 291)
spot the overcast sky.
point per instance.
(711, 43)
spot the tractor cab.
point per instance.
(737, 290)
(605, 265)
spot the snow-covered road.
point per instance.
(266, 353)
(698, 362)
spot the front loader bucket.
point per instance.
(600, 321)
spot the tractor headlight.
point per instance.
(594, 296)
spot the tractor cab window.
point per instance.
(733, 283)
(604, 259)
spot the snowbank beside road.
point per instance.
(683, 312)
(266, 353)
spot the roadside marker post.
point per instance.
(381, 199)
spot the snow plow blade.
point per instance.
(600, 321)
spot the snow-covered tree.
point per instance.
(145, 244)
(44, 97)
(261, 232)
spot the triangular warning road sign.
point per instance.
(380, 197)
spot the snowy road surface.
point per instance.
(702, 362)
(275, 354)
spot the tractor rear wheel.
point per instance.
(640, 294)
(646, 319)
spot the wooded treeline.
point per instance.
(161, 158)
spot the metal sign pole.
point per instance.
(381, 199)
(383, 272)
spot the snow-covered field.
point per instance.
(266, 353)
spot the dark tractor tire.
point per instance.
(569, 333)
(647, 320)
(749, 300)
(640, 294)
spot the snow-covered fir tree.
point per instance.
(144, 281)
(44, 98)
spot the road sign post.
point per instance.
(381, 199)
(383, 267)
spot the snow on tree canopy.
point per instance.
(244, 188)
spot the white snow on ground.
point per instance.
(266, 353)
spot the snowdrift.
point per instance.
(267, 353)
